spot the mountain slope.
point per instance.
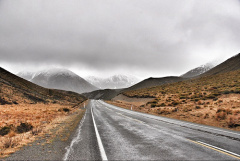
(106, 94)
(62, 79)
(231, 64)
(151, 82)
(16, 90)
(197, 71)
(147, 83)
(113, 82)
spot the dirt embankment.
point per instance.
(133, 101)
(52, 127)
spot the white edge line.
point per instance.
(175, 121)
(219, 148)
(100, 145)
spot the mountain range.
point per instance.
(57, 78)
(113, 82)
(227, 66)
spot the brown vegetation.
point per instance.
(21, 124)
(212, 100)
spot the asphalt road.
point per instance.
(130, 135)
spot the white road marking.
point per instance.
(100, 145)
(172, 121)
(75, 140)
(219, 148)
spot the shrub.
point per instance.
(154, 101)
(153, 105)
(64, 109)
(24, 127)
(36, 131)
(3, 101)
(187, 109)
(196, 99)
(221, 110)
(166, 112)
(233, 122)
(226, 92)
(162, 105)
(237, 91)
(221, 115)
(197, 107)
(199, 114)
(229, 111)
(175, 110)
(175, 103)
(216, 94)
(9, 143)
(210, 97)
(5, 130)
(206, 116)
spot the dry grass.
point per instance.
(41, 116)
(212, 100)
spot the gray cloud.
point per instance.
(146, 37)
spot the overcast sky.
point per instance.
(105, 37)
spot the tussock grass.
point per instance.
(212, 100)
(22, 123)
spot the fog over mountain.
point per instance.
(147, 38)
(58, 78)
(113, 82)
(26, 75)
(199, 70)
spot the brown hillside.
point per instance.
(212, 100)
(28, 111)
(15, 90)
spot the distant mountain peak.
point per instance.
(198, 70)
(55, 71)
(113, 82)
(60, 78)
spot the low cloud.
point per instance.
(146, 37)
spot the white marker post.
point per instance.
(84, 105)
(131, 107)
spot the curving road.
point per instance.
(120, 134)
